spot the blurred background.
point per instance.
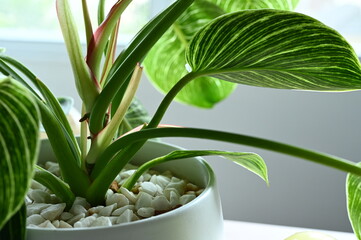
(300, 193)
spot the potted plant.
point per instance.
(265, 48)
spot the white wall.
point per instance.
(301, 193)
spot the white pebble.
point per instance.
(162, 181)
(56, 223)
(173, 199)
(144, 200)
(47, 224)
(127, 174)
(117, 198)
(85, 222)
(106, 211)
(180, 186)
(101, 221)
(37, 185)
(95, 209)
(192, 187)
(63, 224)
(125, 217)
(109, 193)
(146, 176)
(53, 211)
(77, 209)
(146, 212)
(160, 203)
(54, 170)
(186, 198)
(81, 201)
(28, 200)
(131, 197)
(36, 208)
(119, 211)
(39, 196)
(54, 199)
(135, 217)
(32, 226)
(35, 219)
(49, 164)
(76, 218)
(66, 216)
(148, 187)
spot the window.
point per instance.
(37, 20)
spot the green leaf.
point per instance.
(15, 228)
(170, 50)
(232, 6)
(133, 54)
(251, 161)
(276, 49)
(101, 36)
(136, 116)
(55, 184)
(165, 63)
(87, 86)
(353, 192)
(19, 130)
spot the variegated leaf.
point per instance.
(250, 161)
(232, 5)
(170, 50)
(19, 127)
(165, 63)
(276, 49)
(353, 190)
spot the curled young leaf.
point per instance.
(275, 49)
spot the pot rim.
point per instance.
(211, 183)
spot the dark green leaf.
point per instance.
(126, 62)
(19, 129)
(353, 190)
(15, 228)
(251, 161)
(276, 49)
(165, 63)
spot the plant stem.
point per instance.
(167, 100)
(314, 156)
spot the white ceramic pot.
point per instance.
(201, 219)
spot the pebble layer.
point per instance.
(152, 195)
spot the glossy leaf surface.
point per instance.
(15, 228)
(275, 49)
(170, 50)
(251, 161)
(232, 5)
(165, 63)
(353, 189)
(19, 129)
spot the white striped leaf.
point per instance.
(276, 49)
(165, 62)
(232, 6)
(250, 161)
(19, 127)
(353, 190)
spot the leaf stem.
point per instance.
(314, 156)
(167, 100)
